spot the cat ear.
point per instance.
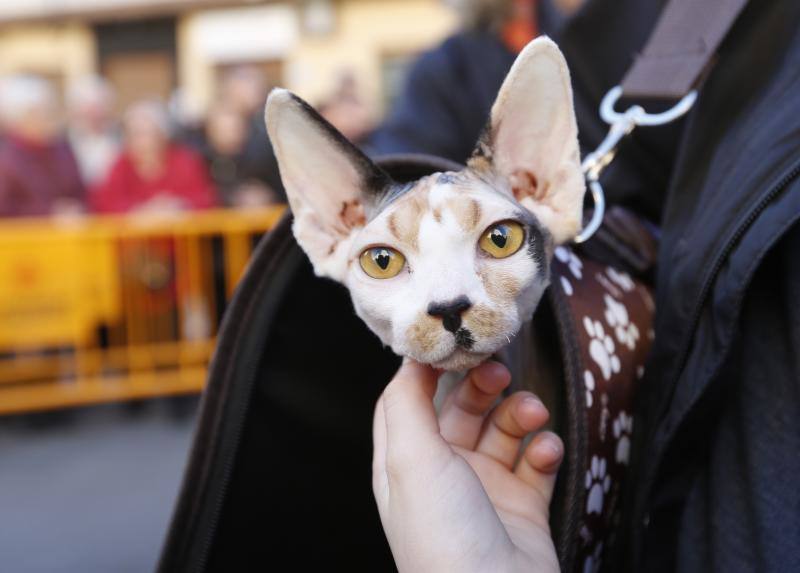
(330, 184)
(532, 139)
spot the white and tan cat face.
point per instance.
(445, 269)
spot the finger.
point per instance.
(539, 464)
(512, 420)
(380, 485)
(465, 408)
(411, 424)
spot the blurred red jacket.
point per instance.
(185, 177)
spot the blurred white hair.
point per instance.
(149, 110)
(89, 89)
(20, 94)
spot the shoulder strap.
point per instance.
(680, 48)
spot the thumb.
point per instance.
(408, 410)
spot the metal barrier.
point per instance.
(101, 309)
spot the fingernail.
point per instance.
(553, 445)
(532, 400)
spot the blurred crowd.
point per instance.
(84, 155)
(80, 156)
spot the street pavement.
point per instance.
(91, 490)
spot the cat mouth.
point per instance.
(462, 357)
(464, 339)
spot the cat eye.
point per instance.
(502, 239)
(382, 262)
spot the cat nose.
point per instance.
(450, 312)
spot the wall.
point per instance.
(60, 51)
(364, 32)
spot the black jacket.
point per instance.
(717, 427)
(718, 424)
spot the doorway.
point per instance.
(138, 58)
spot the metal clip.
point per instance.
(621, 125)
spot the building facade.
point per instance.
(155, 47)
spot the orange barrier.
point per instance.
(101, 309)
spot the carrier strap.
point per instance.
(681, 48)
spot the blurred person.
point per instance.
(245, 90)
(91, 129)
(445, 103)
(224, 148)
(187, 118)
(346, 110)
(38, 172)
(153, 174)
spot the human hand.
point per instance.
(452, 490)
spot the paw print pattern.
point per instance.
(593, 560)
(617, 318)
(588, 380)
(567, 286)
(598, 482)
(574, 264)
(621, 279)
(601, 348)
(623, 427)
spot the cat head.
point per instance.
(447, 268)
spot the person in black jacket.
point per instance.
(445, 102)
(716, 432)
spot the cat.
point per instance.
(444, 270)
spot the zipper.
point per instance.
(219, 500)
(230, 454)
(711, 276)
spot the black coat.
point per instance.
(717, 430)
